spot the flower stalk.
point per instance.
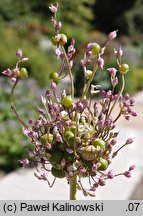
(73, 188)
(13, 107)
(69, 71)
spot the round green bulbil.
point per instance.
(62, 39)
(69, 137)
(88, 153)
(54, 77)
(47, 138)
(99, 143)
(96, 49)
(56, 158)
(103, 164)
(67, 101)
(124, 68)
(69, 157)
(57, 173)
(23, 73)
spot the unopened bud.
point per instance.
(112, 35)
(19, 53)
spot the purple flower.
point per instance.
(30, 122)
(58, 26)
(112, 35)
(58, 53)
(48, 93)
(127, 174)
(114, 81)
(24, 59)
(100, 62)
(113, 142)
(132, 167)
(53, 21)
(112, 71)
(118, 53)
(132, 100)
(110, 174)
(70, 151)
(7, 72)
(127, 97)
(19, 53)
(59, 138)
(130, 140)
(53, 8)
(41, 111)
(15, 72)
(53, 86)
(134, 114)
(24, 162)
(101, 182)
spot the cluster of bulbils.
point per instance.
(76, 137)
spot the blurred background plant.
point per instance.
(26, 24)
(12, 143)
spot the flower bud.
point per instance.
(53, 86)
(112, 71)
(112, 35)
(127, 174)
(110, 174)
(7, 72)
(100, 62)
(19, 53)
(53, 8)
(132, 167)
(88, 74)
(13, 79)
(58, 26)
(130, 140)
(124, 68)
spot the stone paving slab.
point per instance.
(22, 184)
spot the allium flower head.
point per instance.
(76, 138)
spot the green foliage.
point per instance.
(11, 149)
(134, 17)
(75, 14)
(135, 80)
(12, 142)
(40, 63)
(76, 17)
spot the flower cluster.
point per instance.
(74, 139)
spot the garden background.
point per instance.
(26, 24)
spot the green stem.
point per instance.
(122, 89)
(69, 70)
(13, 105)
(89, 82)
(73, 188)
